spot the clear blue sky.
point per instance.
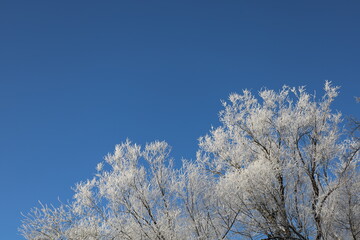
(78, 77)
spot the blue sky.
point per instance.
(78, 77)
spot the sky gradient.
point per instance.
(78, 77)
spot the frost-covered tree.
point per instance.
(284, 167)
(132, 197)
(280, 166)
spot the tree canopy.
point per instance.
(282, 165)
